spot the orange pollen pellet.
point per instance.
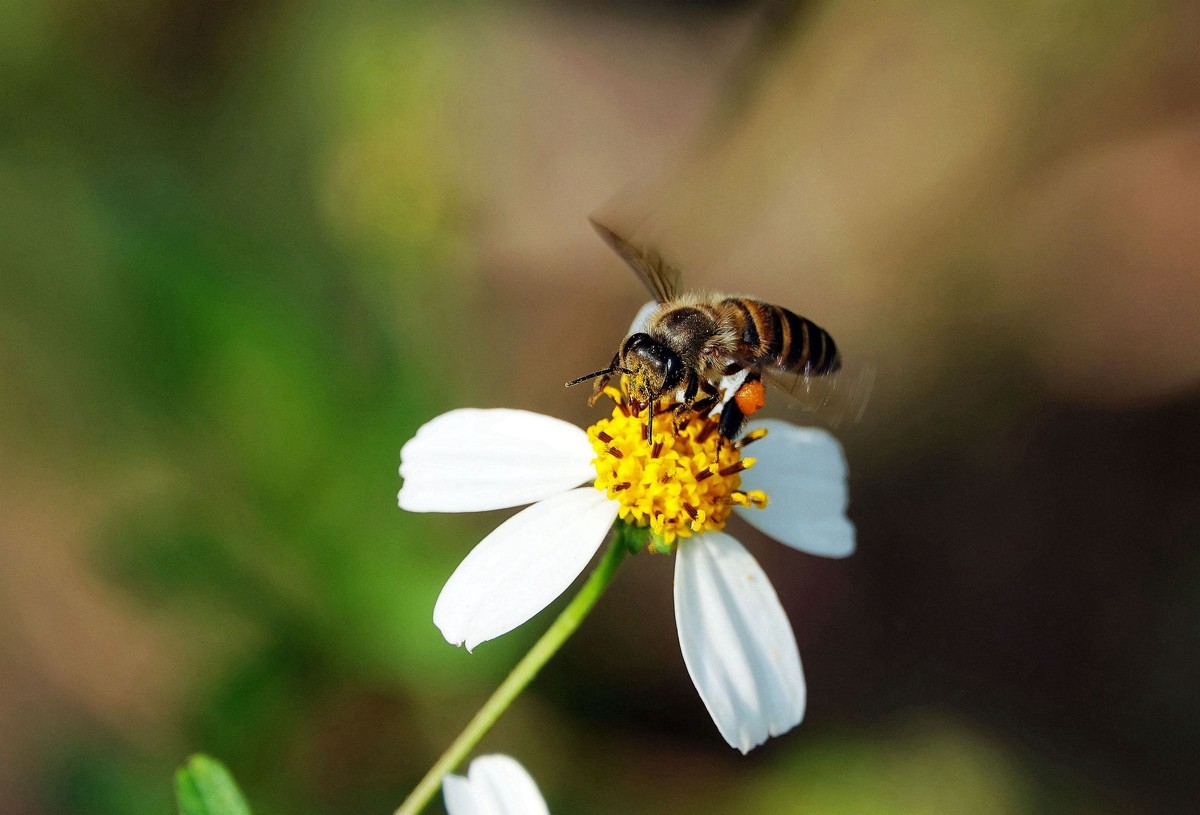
(750, 397)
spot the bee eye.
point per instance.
(639, 343)
(672, 369)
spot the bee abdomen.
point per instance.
(777, 337)
(804, 345)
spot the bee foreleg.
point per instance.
(683, 411)
(704, 406)
(603, 379)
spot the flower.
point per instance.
(736, 640)
(494, 785)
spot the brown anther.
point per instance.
(750, 438)
(690, 510)
(736, 467)
(624, 485)
(615, 453)
(707, 431)
(703, 474)
(656, 449)
(604, 437)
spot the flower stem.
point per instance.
(563, 627)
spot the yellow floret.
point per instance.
(680, 484)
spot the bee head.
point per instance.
(654, 369)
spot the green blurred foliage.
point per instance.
(236, 277)
(96, 775)
(219, 263)
(915, 765)
(204, 787)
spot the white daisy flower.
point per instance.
(736, 640)
(494, 785)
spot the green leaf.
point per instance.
(204, 787)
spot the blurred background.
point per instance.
(248, 248)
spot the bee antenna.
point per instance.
(592, 375)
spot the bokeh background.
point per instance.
(246, 249)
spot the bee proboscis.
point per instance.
(690, 342)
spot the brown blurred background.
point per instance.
(250, 248)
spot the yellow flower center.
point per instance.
(684, 482)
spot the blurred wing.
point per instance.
(838, 397)
(662, 279)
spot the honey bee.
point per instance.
(691, 342)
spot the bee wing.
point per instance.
(662, 279)
(839, 397)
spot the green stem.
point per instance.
(522, 675)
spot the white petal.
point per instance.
(737, 642)
(803, 472)
(468, 460)
(642, 317)
(520, 568)
(495, 785)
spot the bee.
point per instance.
(691, 342)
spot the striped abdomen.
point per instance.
(774, 336)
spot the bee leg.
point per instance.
(711, 394)
(603, 380)
(732, 420)
(683, 411)
(680, 415)
(745, 402)
(705, 405)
